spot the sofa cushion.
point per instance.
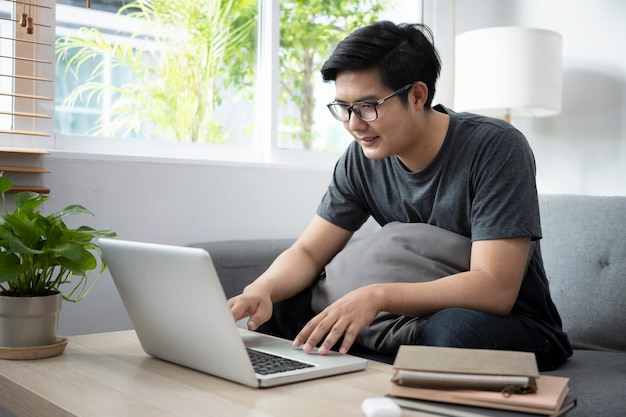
(239, 262)
(399, 252)
(584, 253)
(597, 380)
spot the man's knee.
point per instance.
(454, 327)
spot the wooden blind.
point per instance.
(26, 69)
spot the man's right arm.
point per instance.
(293, 271)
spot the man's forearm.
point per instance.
(291, 272)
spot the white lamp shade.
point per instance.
(508, 71)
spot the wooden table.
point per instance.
(108, 374)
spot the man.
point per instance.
(411, 163)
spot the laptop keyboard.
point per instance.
(266, 363)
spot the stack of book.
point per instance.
(476, 382)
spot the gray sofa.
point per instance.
(584, 251)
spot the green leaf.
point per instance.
(78, 262)
(5, 184)
(10, 267)
(16, 245)
(107, 232)
(72, 251)
(22, 236)
(69, 211)
(28, 200)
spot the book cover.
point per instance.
(466, 361)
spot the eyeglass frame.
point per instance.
(375, 105)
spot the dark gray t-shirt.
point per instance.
(480, 185)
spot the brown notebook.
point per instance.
(547, 400)
(454, 368)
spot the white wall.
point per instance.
(174, 203)
(582, 150)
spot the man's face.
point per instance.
(393, 132)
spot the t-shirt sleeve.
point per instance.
(505, 202)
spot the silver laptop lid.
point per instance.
(178, 308)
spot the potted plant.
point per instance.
(38, 255)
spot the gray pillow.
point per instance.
(399, 252)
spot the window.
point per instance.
(87, 86)
(254, 109)
(157, 69)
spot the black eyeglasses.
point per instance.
(365, 111)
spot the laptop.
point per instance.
(177, 306)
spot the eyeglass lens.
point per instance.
(364, 111)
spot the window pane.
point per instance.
(309, 32)
(160, 69)
(82, 116)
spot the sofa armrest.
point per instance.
(239, 262)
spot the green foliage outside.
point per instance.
(204, 48)
(175, 89)
(309, 31)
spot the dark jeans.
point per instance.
(453, 327)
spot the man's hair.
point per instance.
(402, 53)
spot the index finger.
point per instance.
(240, 307)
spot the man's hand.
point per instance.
(345, 317)
(255, 305)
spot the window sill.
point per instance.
(74, 147)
